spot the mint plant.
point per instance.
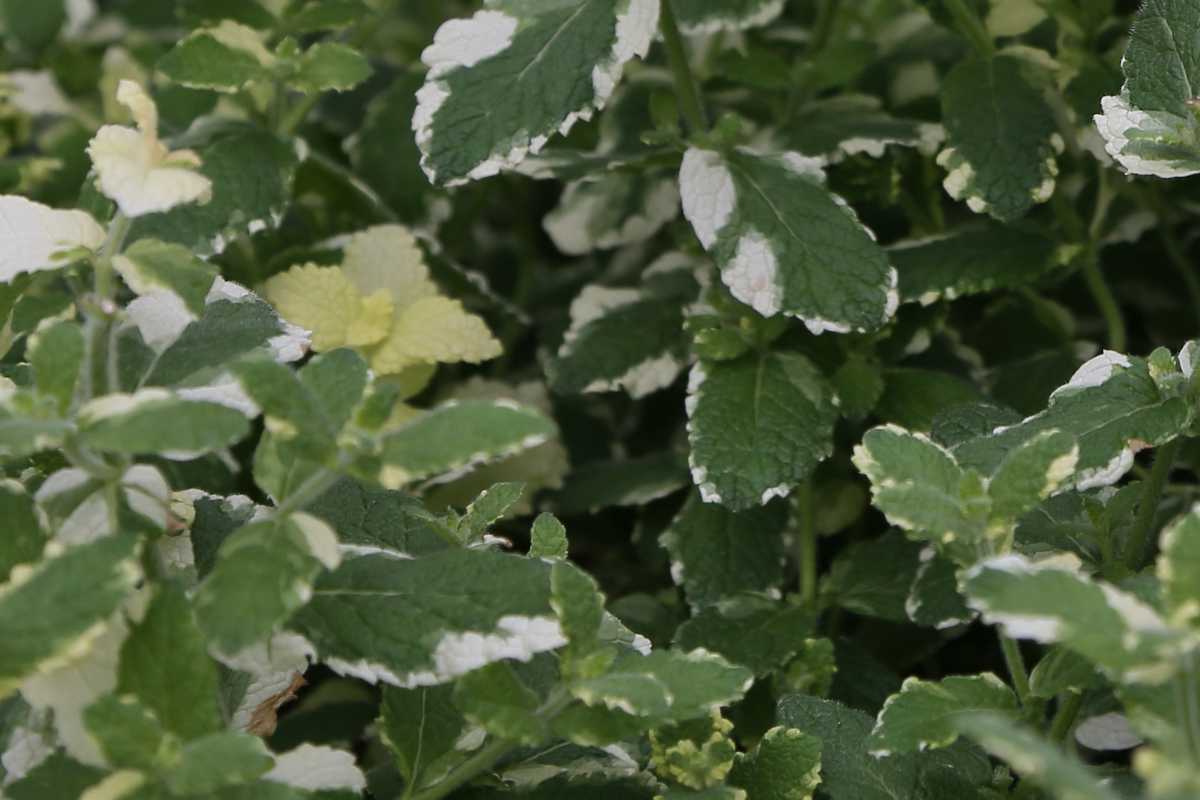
(715, 399)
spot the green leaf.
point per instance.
(164, 663)
(848, 772)
(251, 173)
(1032, 471)
(757, 427)
(873, 577)
(264, 572)
(917, 484)
(157, 421)
(1150, 128)
(458, 435)
(716, 552)
(426, 621)
(579, 606)
(666, 685)
(784, 243)
(913, 397)
(149, 266)
(291, 412)
(848, 125)
(620, 339)
(859, 383)
(204, 61)
(488, 509)
(1001, 154)
(1035, 759)
(388, 163)
(495, 699)
(784, 765)
(1060, 670)
(129, 734)
(752, 631)
(421, 727)
(369, 519)
(325, 15)
(53, 607)
(503, 81)
(1052, 601)
(1178, 568)
(709, 16)
(220, 759)
(1112, 405)
(34, 27)
(933, 599)
(56, 355)
(23, 539)
(611, 211)
(547, 538)
(971, 261)
(58, 776)
(227, 329)
(924, 714)
(330, 66)
(624, 482)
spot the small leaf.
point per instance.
(165, 665)
(1032, 472)
(1052, 601)
(56, 605)
(330, 66)
(151, 266)
(757, 427)
(1035, 759)
(1178, 568)
(494, 698)
(156, 421)
(421, 728)
(611, 211)
(784, 243)
(1002, 155)
(56, 355)
(924, 714)
(752, 631)
(264, 572)
(129, 734)
(716, 552)
(421, 622)
(488, 509)
(548, 538)
(36, 237)
(207, 60)
(785, 765)
(219, 759)
(458, 435)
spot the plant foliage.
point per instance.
(566, 399)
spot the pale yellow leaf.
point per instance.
(387, 257)
(434, 329)
(323, 300)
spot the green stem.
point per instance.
(99, 311)
(1016, 669)
(1143, 525)
(690, 102)
(1179, 261)
(296, 114)
(308, 491)
(1102, 293)
(806, 551)
(970, 26)
(1069, 704)
(1188, 700)
(484, 760)
(356, 183)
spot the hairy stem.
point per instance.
(1143, 525)
(690, 103)
(1069, 704)
(1016, 668)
